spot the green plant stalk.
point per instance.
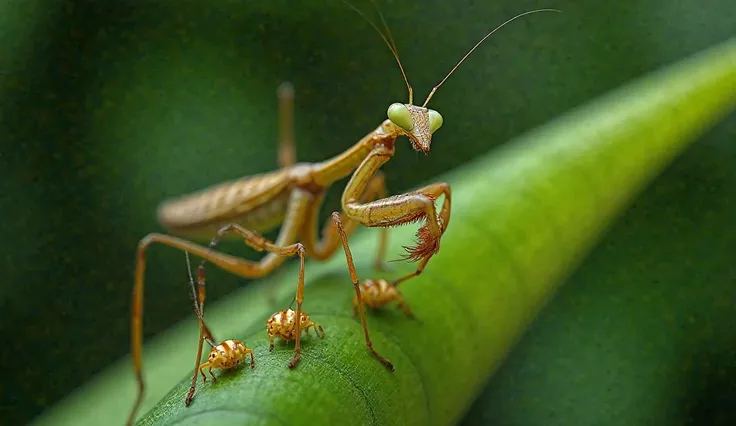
(523, 218)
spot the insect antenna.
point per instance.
(391, 45)
(478, 44)
(385, 26)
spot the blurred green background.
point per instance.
(109, 108)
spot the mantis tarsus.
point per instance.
(291, 197)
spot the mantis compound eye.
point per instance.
(400, 116)
(435, 120)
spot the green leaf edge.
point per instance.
(523, 216)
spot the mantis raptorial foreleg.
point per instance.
(324, 248)
(400, 209)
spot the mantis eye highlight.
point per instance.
(400, 116)
(435, 120)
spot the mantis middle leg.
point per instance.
(198, 298)
(356, 285)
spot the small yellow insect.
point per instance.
(378, 293)
(282, 324)
(227, 354)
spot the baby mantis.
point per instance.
(291, 197)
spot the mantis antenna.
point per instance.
(478, 44)
(392, 45)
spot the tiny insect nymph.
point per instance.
(282, 324)
(378, 293)
(226, 355)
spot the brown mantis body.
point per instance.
(291, 197)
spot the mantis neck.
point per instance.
(340, 166)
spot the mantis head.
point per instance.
(420, 122)
(417, 123)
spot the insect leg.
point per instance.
(400, 209)
(252, 359)
(241, 267)
(417, 205)
(401, 302)
(322, 249)
(378, 185)
(287, 147)
(204, 332)
(354, 278)
(260, 243)
(300, 203)
(426, 246)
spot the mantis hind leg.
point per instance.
(204, 332)
(286, 141)
(287, 146)
(278, 251)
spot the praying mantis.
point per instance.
(291, 197)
